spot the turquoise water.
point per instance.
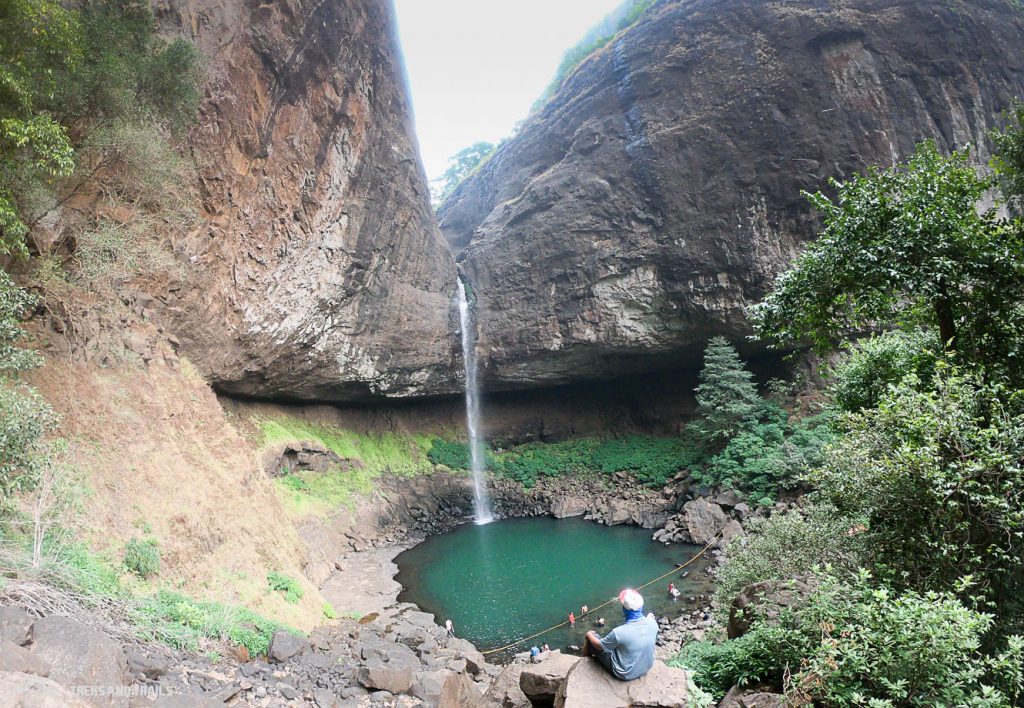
(508, 579)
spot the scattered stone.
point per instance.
(770, 597)
(704, 520)
(504, 691)
(152, 667)
(588, 685)
(15, 625)
(752, 698)
(14, 658)
(284, 645)
(394, 679)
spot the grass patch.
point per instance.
(166, 616)
(289, 587)
(651, 460)
(368, 456)
(142, 557)
(185, 623)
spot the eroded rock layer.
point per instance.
(658, 193)
(318, 271)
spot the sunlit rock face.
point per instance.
(658, 193)
(317, 270)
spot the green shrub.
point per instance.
(294, 482)
(790, 545)
(651, 460)
(623, 17)
(875, 364)
(142, 557)
(289, 587)
(328, 611)
(449, 453)
(765, 458)
(183, 623)
(938, 476)
(854, 643)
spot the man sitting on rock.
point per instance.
(628, 650)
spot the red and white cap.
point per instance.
(631, 599)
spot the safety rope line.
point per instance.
(605, 604)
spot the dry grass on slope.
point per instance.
(162, 460)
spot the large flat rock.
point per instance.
(589, 685)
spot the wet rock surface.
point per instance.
(658, 193)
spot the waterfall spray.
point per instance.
(481, 501)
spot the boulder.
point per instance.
(768, 599)
(727, 499)
(285, 645)
(14, 658)
(30, 691)
(83, 657)
(148, 665)
(589, 685)
(730, 531)
(459, 691)
(752, 698)
(15, 625)
(704, 520)
(540, 681)
(380, 677)
(505, 692)
(564, 507)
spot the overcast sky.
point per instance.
(476, 66)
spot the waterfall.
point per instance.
(481, 501)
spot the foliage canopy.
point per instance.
(907, 245)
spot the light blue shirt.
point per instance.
(630, 647)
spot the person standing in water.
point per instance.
(572, 618)
(584, 610)
(627, 651)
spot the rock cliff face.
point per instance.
(318, 271)
(658, 193)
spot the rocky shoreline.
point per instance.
(394, 655)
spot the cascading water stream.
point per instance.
(481, 501)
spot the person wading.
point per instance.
(628, 650)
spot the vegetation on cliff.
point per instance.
(903, 574)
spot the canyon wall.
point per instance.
(318, 271)
(658, 193)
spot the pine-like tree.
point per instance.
(727, 398)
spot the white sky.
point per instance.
(476, 66)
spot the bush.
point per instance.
(853, 643)
(454, 455)
(184, 623)
(289, 587)
(873, 365)
(938, 476)
(790, 545)
(142, 557)
(766, 458)
(652, 461)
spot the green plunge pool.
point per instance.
(502, 581)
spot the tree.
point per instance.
(907, 245)
(727, 398)
(39, 43)
(1009, 156)
(460, 166)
